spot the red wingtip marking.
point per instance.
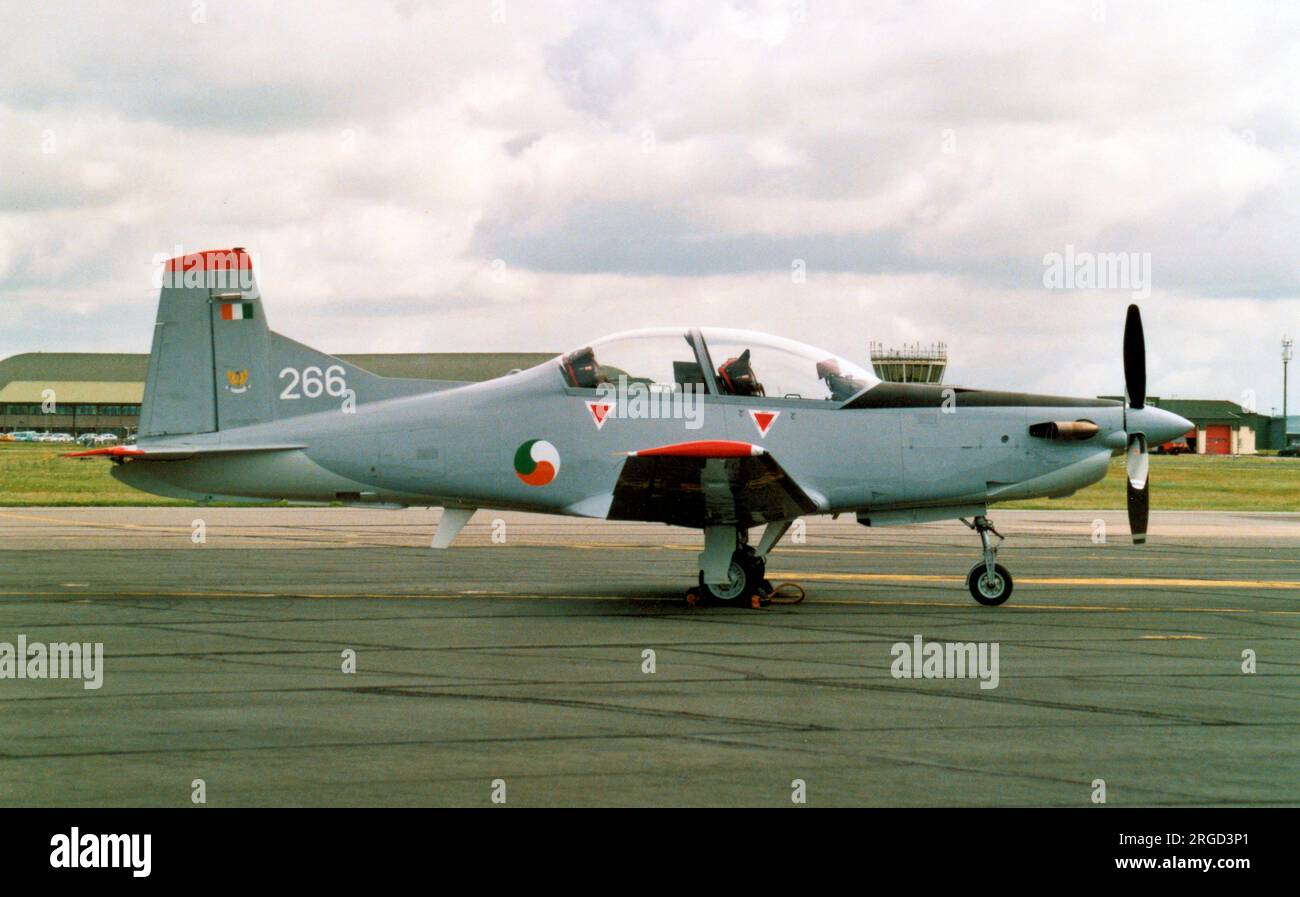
(212, 260)
(708, 448)
(117, 451)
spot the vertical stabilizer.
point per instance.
(210, 365)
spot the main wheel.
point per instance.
(989, 591)
(744, 577)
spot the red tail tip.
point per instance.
(212, 260)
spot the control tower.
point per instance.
(910, 364)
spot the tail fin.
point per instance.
(209, 315)
(215, 364)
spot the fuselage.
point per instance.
(903, 447)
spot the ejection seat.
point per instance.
(581, 370)
(736, 377)
(842, 387)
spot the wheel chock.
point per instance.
(786, 593)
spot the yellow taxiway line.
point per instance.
(83, 594)
(1105, 581)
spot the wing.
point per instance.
(707, 483)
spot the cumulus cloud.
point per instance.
(494, 174)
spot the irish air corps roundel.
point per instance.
(537, 462)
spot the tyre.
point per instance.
(744, 578)
(989, 592)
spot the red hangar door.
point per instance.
(1218, 439)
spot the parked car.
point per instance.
(24, 436)
(1289, 451)
(1177, 446)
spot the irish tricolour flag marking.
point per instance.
(237, 311)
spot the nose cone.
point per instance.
(1159, 425)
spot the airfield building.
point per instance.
(1227, 428)
(910, 364)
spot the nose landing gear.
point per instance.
(989, 582)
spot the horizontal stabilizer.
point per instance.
(175, 453)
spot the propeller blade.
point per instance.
(1137, 466)
(1135, 360)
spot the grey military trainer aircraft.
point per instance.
(713, 429)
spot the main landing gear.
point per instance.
(732, 570)
(745, 577)
(989, 582)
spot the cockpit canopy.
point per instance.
(716, 360)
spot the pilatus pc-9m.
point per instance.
(714, 429)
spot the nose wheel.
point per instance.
(989, 589)
(989, 582)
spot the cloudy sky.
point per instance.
(509, 175)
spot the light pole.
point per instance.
(1287, 355)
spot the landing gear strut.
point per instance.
(989, 582)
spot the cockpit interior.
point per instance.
(717, 361)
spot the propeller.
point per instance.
(1136, 458)
(1136, 464)
(1135, 360)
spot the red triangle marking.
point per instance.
(763, 420)
(599, 413)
